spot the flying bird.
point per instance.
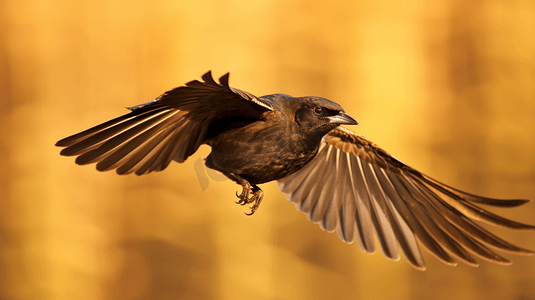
(338, 178)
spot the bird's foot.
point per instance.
(244, 196)
(256, 194)
(256, 198)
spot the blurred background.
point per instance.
(446, 86)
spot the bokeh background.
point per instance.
(446, 86)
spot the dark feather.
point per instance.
(179, 119)
(398, 201)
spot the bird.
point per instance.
(339, 179)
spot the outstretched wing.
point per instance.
(358, 189)
(171, 127)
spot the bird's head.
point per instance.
(318, 116)
(311, 116)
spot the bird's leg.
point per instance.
(256, 197)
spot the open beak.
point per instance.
(342, 118)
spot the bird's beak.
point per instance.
(342, 118)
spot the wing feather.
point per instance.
(330, 220)
(363, 192)
(364, 213)
(171, 127)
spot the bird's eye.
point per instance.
(318, 110)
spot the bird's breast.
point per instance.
(260, 154)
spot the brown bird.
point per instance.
(339, 179)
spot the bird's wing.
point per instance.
(358, 189)
(171, 127)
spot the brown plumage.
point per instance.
(336, 177)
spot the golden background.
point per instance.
(446, 86)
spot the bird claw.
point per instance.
(244, 196)
(256, 195)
